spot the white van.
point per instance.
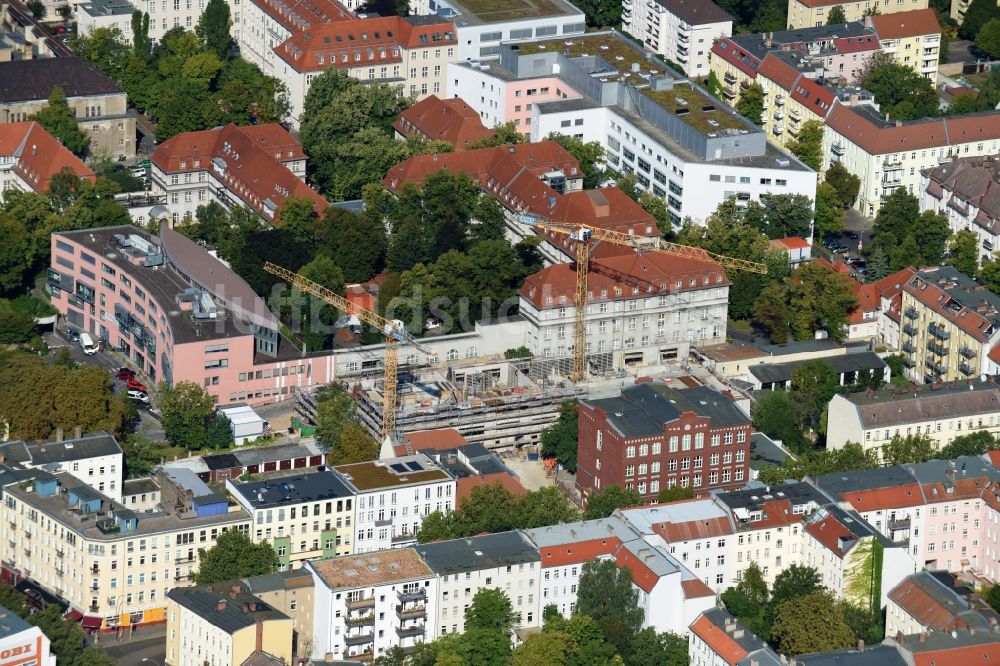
(87, 342)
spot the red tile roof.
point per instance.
(642, 576)
(896, 497)
(869, 300)
(791, 243)
(693, 529)
(779, 71)
(899, 25)
(736, 56)
(994, 457)
(891, 285)
(718, 640)
(464, 486)
(775, 513)
(450, 120)
(361, 42)
(916, 135)
(695, 588)
(578, 552)
(439, 439)
(636, 275)
(935, 298)
(829, 531)
(254, 159)
(924, 607)
(297, 15)
(986, 654)
(38, 155)
(815, 97)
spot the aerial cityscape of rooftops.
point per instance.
(500, 332)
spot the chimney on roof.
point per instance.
(34, 150)
(77, 432)
(221, 606)
(59, 434)
(950, 473)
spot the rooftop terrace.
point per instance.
(405, 471)
(618, 52)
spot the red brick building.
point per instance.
(653, 437)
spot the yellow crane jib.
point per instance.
(393, 330)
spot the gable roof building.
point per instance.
(30, 157)
(437, 119)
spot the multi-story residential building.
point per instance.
(481, 29)
(222, 625)
(259, 26)
(436, 119)
(950, 325)
(719, 639)
(366, 604)
(681, 31)
(23, 643)
(163, 16)
(95, 459)
(941, 412)
(99, 103)
(810, 13)
(176, 313)
(887, 154)
(668, 131)
(304, 517)
(142, 494)
(967, 192)
(935, 601)
(411, 51)
(30, 157)
(256, 166)
(505, 561)
(846, 551)
(642, 308)
(112, 565)
(890, 290)
(912, 37)
(767, 527)
(291, 593)
(393, 496)
(653, 437)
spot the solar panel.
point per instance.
(414, 466)
(398, 467)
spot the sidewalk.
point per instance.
(141, 634)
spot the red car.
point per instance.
(124, 374)
(136, 385)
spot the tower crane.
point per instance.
(393, 330)
(585, 235)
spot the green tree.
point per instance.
(992, 596)
(977, 16)
(836, 16)
(964, 252)
(335, 425)
(810, 623)
(901, 91)
(973, 444)
(713, 85)
(606, 594)
(545, 506)
(546, 647)
(752, 584)
(234, 556)
(560, 439)
(988, 38)
(503, 135)
(845, 182)
(60, 121)
(795, 581)
(140, 34)
(627, 183)
(37, 9)
(490, 223)
(751, 103)
(603, 503)
(601, 13)
(16, 326)
(852, 456)
(770, 311)
(297, 214)
(808, 145)
(822, 299)
(908, 449)
(186, 409)
(989, 272)
(814, 383)
(649, 648)
(17, 253)
(213, 27)
(354, 241)
(490, 610)
(219, 432)
(674, 494)
(589, 154)
(776, 415)
(657, 207)
(829, 212)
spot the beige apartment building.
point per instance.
(811, 13)
(100, 105)
(292, 593)
(111, 564)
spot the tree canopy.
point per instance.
(234, 556)
(808, 145)
(186, 412)
(337, 427)
(560, 439)
(751, 103)
(902, 92)
(810, 623)
(603, 503)
(907, 236)
(60, 121)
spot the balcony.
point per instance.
(729, 78)
(778, 114)
(910, 329)
(27, 551)
(407, 632)
(683, 39)
(13, 525)
(966, 352)
(60, 572)
(362, 602)
(779, 100)
(778, 130)
(936, 349)
(910, 312)
(909, 348)
(27, 535)
(837, 149)
(359, 639)
(938, 332)
(60, 553)
(909, 362)
(95, 569)
(95, 586)
(892, 164)
(411, 613)
(403, 538)
(360, 620)
(363, 657)
(94, 608)
(896, 524)
(417, 595)
(967, 369)
(939, 368)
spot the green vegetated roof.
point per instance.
(695, 108)
(617, 51)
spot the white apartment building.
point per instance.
(164, 15)
(967, 192)
(95, 459)
(682, 31)
(368, 603)
(642, 309)
(304, 517)
(940, 411)
(112, 565)
(393, 496)
(888, 154)
(719, 639)
(504, 561)
(670, 133)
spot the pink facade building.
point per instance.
(176, 313)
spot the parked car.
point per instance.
(138, 396)
(852, 235)
(89, 346)
(125, 374)
(73, 335)
(136, 385)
